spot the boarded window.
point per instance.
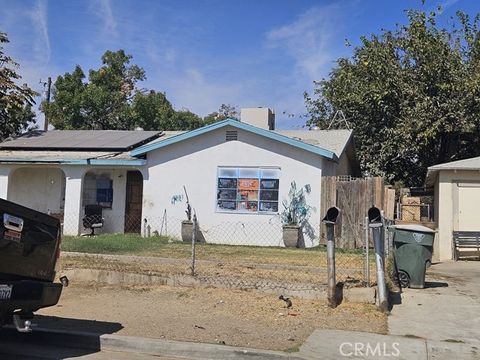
(247, 189)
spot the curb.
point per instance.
(159, 347)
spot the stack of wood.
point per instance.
(411, 208)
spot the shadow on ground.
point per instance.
(90, 326)
(395, 297)
(81, 337)
(435, 284)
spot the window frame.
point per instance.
(260, 176)
(97, 191)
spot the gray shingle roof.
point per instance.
(332, 140)
(466, 164)
(117, 140)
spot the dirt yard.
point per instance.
(231, 317)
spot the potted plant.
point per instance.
(295, 214)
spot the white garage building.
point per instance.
(457, 199)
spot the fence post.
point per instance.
(194, 235)
(367, 253)
(376, 224)
(385, 236)
(145, 222)
(330, 220)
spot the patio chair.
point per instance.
(93, 218)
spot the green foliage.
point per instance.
(186, 120)
(110, 99)
(16, 101)
(101, 103)
(152, 111)
(412, 97)
(226, 111)
(296, 211)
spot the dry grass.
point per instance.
(128, 244)
(218, 271)
(288, 264)
(232, 317)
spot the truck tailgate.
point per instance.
(29, 243)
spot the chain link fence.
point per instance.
(243, 255)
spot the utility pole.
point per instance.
(47, 83)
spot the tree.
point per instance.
(152, 111)
(104, 102)
(412, 97)
(110, 99)
(16, 101)
(186, 120)
(66, 110)
(226, 111)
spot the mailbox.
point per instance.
(374, 217)
(332, 216)
(330, 220)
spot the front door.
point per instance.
(133, 202)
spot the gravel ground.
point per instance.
(231, 317)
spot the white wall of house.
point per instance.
(449, 204)
(194, 163)
(42, 189)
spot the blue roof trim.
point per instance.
(93, 162)
(239, 125)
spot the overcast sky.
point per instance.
(204, 53)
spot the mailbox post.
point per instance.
(330, 220)
(375, 222)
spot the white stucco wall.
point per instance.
(194, 163)
(446, 191)
(42, 189)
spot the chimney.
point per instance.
(260, 117)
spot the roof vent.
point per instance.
(231, 135)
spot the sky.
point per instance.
(203, 53)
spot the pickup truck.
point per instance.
(29, 250)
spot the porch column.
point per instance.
(73, 200)
(4, 174)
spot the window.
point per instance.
(98, 190)
(247, 189)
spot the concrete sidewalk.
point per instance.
(441, 321)
(338, 344)
(448, 309)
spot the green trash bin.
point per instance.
(412, 249)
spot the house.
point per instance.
(457, 196)
(236, 174)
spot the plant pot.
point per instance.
(187, 230)
(291, 235)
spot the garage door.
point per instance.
(469, 207)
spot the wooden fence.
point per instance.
(354, 198)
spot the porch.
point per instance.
(64, 191)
